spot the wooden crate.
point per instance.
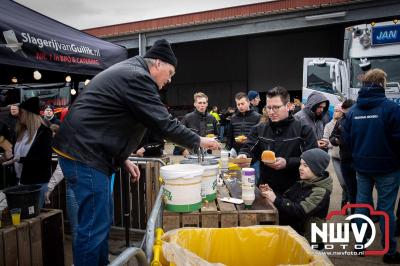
(35, 241)
(218, 214)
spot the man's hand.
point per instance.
(140, 152)
(323, 143)
(47, 196)
(209, 143)
(280, 163)
(10, 161)
(133, 170)
(242, 165)
(185, 153)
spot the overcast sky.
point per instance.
(83, 14)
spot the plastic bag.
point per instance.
(253, 245)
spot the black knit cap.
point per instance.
(31, 105)
(162, 50)
(317, 160)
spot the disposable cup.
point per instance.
(16, 216)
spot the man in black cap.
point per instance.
(254, 98)
(104, 126)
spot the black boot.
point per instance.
(392, 259)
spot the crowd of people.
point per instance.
(120, 113)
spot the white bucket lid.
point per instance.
(186, 171)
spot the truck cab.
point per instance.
(328, 76)
(366, 46)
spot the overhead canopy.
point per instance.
(30, 39)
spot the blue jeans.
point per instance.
(43, 191)
(256, 167)
(72, 210)
(92, 193)
(338, 171)
(221, 132)
(387, 187)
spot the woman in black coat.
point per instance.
(32, 150)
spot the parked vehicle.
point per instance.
(366, 46)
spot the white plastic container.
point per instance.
(248, 195)
(248, 183)
(182, 189)
(209, 178)
(248, 177)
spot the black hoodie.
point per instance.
(307, 115)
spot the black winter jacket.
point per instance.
(109, 118)
(202, 124)
(288, 138)
(36, 167)
(304, 200)
(336, 139)
(241, 124)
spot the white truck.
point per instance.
(375, 45)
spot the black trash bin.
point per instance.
(25, 197)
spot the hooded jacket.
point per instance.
(303, 201)
(109, 118)
(307, 115)
(241, 124)
(288, 138)
(372, 132)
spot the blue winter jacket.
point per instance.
(372, 132)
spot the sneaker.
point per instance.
(392, 259)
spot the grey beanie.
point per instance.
(317, 160)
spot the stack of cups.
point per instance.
(224, 165)
(248, 183)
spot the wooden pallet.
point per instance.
(218, 214)
(35, 241)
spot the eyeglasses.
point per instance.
(274, 108)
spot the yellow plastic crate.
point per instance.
(255, 245)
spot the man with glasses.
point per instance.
(285, 136)
(315, 114)
(103, 127)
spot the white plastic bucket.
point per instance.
(209, 180)
(182, 189)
